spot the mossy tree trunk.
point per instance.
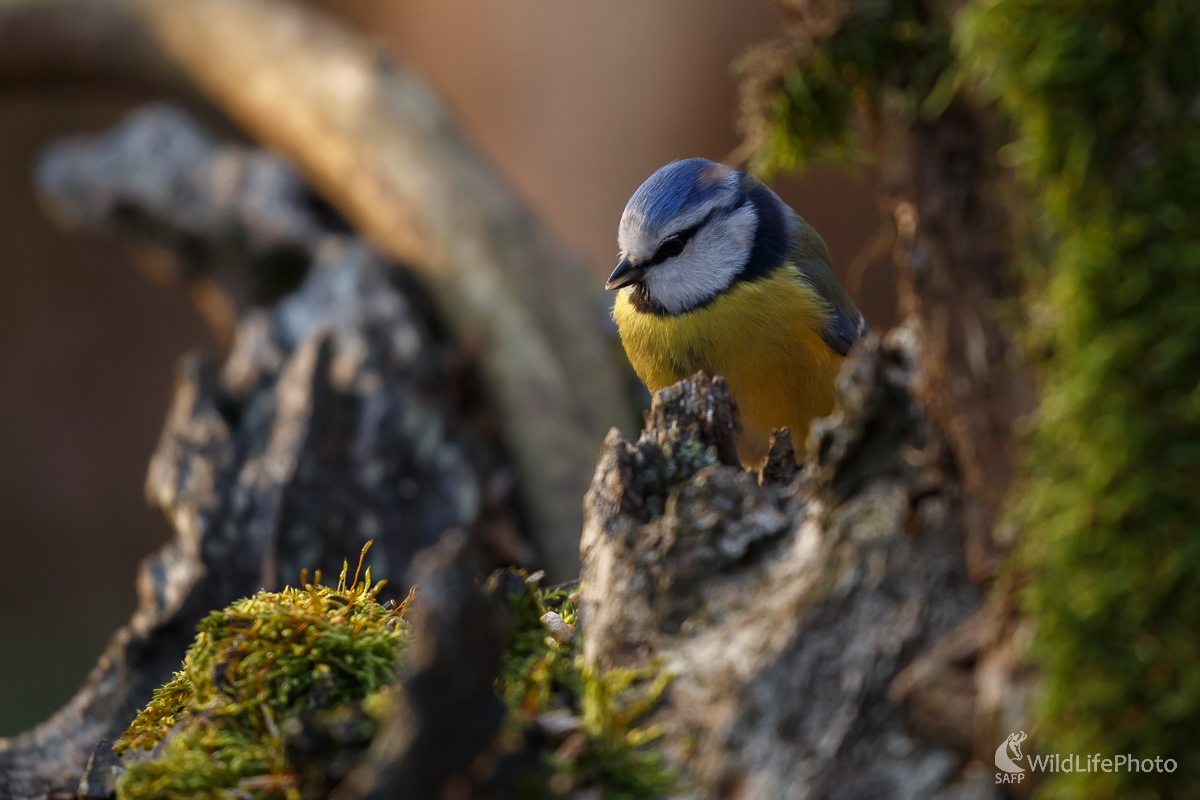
(1038, 168)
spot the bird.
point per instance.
(718, 274)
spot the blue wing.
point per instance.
(841, 332)
(845, 324)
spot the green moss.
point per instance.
(541, 675)
(212, 758)
(330, 654)
(798, 111)
(262, 660)
(613, 703)
(167, 707)
(1105, 96)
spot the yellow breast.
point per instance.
(763, 336)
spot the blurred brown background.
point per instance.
(575, 103)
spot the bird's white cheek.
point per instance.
(708, 266)
(681, 283)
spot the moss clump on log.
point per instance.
(220, 728)
(582, 723)
(215, 729)
(799, 97)
(1105, 96)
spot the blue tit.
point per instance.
(718, 274)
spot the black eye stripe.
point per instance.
(682, 238)
(672, 247)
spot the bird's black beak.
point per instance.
(626, 273)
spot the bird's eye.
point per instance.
(671, 247)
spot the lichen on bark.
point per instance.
(788, 610)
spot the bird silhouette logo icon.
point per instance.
(1012, 744)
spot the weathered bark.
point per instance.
(807, 622)
(941, 191)
(373, 141)
(949, 203)
(333, 421)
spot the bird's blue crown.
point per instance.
(673, 190)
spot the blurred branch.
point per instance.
(334, 421)
(374, 141)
